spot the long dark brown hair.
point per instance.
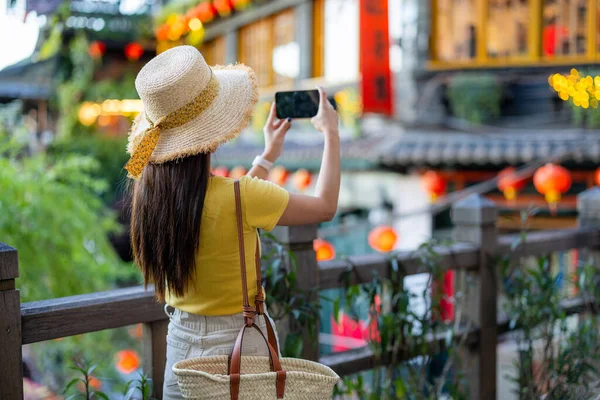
(166, 213)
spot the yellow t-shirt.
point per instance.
(216, 287)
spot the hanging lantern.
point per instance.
(88, 113)
(240, 5)
(97, 49)
(237, 172)
(302, 179)
(133, 51)
(510, 183)
(220, 171)
(162, 32)
(279, 175)
(552, 180)
(383, 239)
(205, 12)
(597, 176)
(434, 184)
(223, 7)
(178, 26)
(325, 250)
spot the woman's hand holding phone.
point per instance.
(326, 120)
(275, 131)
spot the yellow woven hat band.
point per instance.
(146, 141)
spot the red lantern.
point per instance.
(302, 179)
(325, 250)
(97, 49)
(279, 175)
(510, 183)
(552, 180)
(205, 12)
(220, 171)
(434, 184)
(237, 172)
(383, 239)
(133, 51)
(597, 176)
(241, 4)
(224, 7)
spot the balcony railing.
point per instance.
(477, 239)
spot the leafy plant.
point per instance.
(475, 97)
(143, 384)
(87, 381)
(397, 332)
(555, 362)
(108, 152)
(287, 304)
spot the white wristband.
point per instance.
(266, 164)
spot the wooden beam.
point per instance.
(534, 30)
(254, 14)
(546, 242)
(481, 17)
(361, 268)
(11, 366)
(9, 263)
(67, 316)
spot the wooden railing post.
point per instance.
(11, 364)
(588, 208)
(299, 239)
(154, 353)
(475, 222)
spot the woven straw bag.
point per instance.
(248, 377)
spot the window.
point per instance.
(214, 51)
(255, 47)
(513, 32)
(507, 28)
(564, 27)
(268, 47)
(455, 30)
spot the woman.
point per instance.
(183, 224)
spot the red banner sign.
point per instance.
(375, 57)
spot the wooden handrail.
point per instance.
(67, 316)
(74, 315)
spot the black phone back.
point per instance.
(297, 104)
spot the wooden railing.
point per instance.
(477, 240)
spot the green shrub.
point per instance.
(52, 213)
(475, 97)
(108, 152)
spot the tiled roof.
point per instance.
(357, 154)
(433, 148)
(451, 148)
(28, 79)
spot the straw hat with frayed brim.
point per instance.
(189, 107)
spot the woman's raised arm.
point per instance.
(321, 207)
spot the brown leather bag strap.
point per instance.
(247, 309)
(259, 300)
(235, 364)
(235, 358)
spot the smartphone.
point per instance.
(297, 104)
